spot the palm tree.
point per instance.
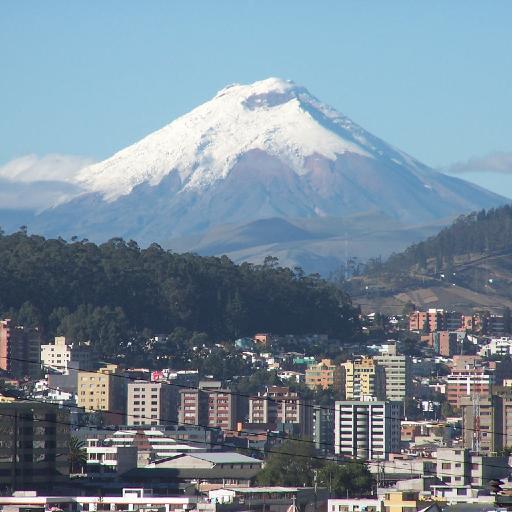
(77, 455)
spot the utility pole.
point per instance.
(476, 423)
(315, 474)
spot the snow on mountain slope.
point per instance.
(272, 115)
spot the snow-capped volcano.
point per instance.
(263, 169)
(274, 116)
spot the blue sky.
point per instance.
(88, 78)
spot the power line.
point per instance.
(224, 444)
(228, 392)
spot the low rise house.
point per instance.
(207, 470)
(356, 505)
(270, 498)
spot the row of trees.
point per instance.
(296, 463)
(113, 292)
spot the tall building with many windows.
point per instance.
(397, 371)
(367, 429)
(364, 378)
(103, 391)
(279, 407)
(222, 409)
(483, 427)
(210, 404)
(151, 403)
(470, 375)
(20, 350)
(63, 356)
(323, 428)
(34, 445)
(193, 407)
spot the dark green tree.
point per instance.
(346, 479)
(293, 464)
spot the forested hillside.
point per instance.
(467, 266)
(114, 291)
(477, 233)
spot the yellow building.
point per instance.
(363, 378)
(325, 375)
(407, 501)
(103, 390)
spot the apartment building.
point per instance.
(61, 356)
(20, 350)
(363, 378)
(433, 319)
(483, 423)
(210, 404)
(326, 375)
(472, 376)
(278, 406)
(397, 372)
(193, 407)
(468, 375)
(459, 467)
(151, 403)
(222, 409)
(495, 325)
(112, 460)
(323, 428)
(497, 347)
(367, 429)
(104, 391)
(34, 445)
(444, 343)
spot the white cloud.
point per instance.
(497, 162)
(51, 167)
(34, 183)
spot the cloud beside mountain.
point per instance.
(51, 167)
(498, 162)
(31, 182)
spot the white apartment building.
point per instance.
(367, 429)
(497, 347)
(151, 445)
(62, 356)
(104, 457)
